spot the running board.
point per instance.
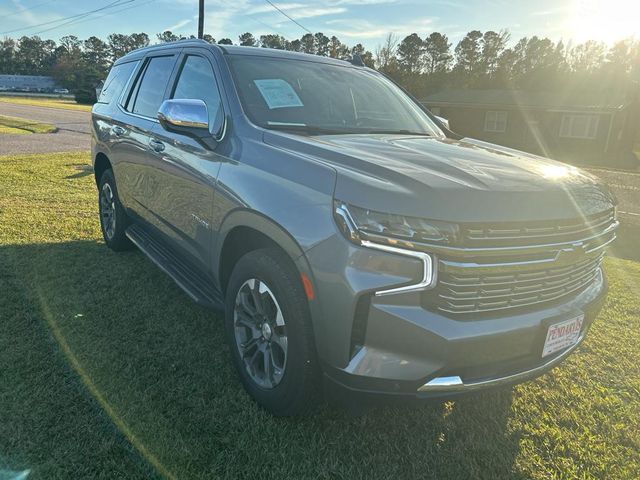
(196, 285)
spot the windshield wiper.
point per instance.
(399, 132)
(318, 130)
(308, 129)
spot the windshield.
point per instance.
(322, 98)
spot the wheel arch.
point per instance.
(101, 163)
(246, 230)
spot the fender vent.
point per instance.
(359, 327)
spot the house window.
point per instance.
(435, 111)
(579, 126)
(495, 122)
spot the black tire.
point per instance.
(113, 234)
(298, 389)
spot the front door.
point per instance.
(187, 169)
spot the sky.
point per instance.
(352, 21)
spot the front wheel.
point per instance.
(268, 328)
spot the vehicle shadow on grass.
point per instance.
(157, 367)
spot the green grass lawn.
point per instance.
(46, 102)
(5, 130)
(21, 126)
(108, 370)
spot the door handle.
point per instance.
(156, 145)
(117, 130)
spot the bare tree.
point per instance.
(386, 60)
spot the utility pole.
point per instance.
(201, 19)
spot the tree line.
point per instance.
(420, 64)
(490, 60)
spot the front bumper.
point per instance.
(409, 350)
(455, 384)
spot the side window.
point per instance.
(116, 81)
(579, 126)
(149, 92)
(495, 121)
(197, 81)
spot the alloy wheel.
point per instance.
(260, 333)
(108, 211)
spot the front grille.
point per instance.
(503, 267)
(546, 232)
(469, 293)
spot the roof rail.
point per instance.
(356, 60)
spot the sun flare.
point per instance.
(607, 21)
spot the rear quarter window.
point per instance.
(116, 81)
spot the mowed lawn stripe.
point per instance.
(161, 365)
(46, 102)
(23, 126)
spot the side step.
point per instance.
(196, 285)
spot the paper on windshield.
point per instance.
(278, 93)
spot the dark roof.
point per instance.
(232, 50)
(189, 42)
(272, 52)
(607, 100)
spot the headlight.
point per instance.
(394, 234)
(360, 223)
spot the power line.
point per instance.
(83, 14)
(290, 18)
(250, 17)
(273, 29)
(72, 21)
(82, 20)
(82, 17)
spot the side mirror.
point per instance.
(186, 116)
(443, 121)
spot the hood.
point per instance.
(463, 180)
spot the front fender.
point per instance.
(280, 236)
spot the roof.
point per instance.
(162, 46)
(272, 52)
(233, 50)
(605, 100)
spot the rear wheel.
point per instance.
(269, 331)
(113, 219)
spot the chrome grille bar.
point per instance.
(528, 233)
(505, 273)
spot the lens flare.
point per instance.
(606, 21)
(555, 171)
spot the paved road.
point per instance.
(73, 130)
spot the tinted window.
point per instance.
(116, 81)
(150, 90)
(197, 80)
(283, 93)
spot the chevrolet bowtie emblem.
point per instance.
(572, 254)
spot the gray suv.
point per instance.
(352, 240)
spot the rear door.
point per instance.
(107, 119)
(139, 111)
(186, 168)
